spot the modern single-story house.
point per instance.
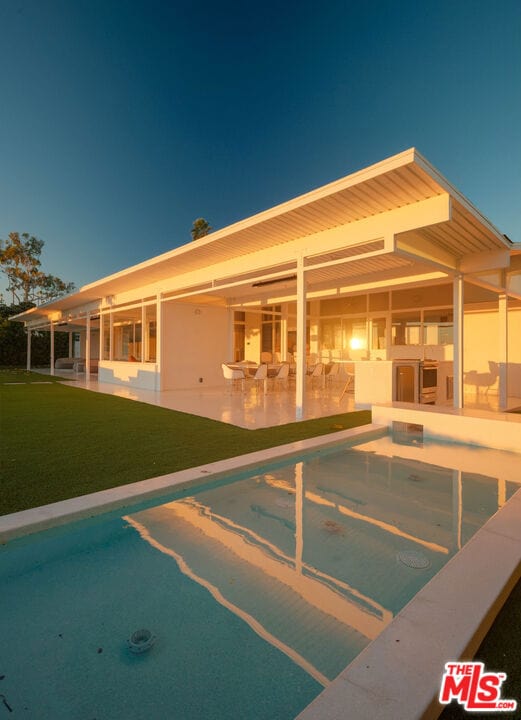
(390, 268)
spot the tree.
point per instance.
(200, 228)
(20, 261)
(13, 340)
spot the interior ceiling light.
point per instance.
(263, 283)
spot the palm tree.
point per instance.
(200, 228)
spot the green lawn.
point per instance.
(59, 442)
(16, 375)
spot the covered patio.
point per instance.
(250, 410)
(390, 264)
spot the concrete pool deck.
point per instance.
(499, 430)
(397, 675)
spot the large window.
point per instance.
(127, 335)
(150, 354)
(270, 338)
(239, 335)
(423, 327)
(406, 328)
(438, 327)
(378, 326)
(106, 336)
(129, 342)
(343, 338)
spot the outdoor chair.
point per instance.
(261, 376)
(233, 377)
(350, 382)
(318, 372)
(332, 373)
(282, 376)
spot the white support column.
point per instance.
(159, 340)
(143, 332)
(503, 351)
(52, 348)
(70, 344)
(101, 337)
(229, 340)
(301, 341)
(458, 340)
(111, 334)
(284, 333)
(87, 348)
(28, 349)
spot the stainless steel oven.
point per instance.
(428, 381)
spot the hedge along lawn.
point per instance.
(60, 442)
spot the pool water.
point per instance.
(259, 590)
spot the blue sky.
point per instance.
(122, 122)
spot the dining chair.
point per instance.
(233, 376)
(332, 373)
(261, 376)
(282, 376)
(318, 372)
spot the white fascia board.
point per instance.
(384, 225)
(101, 287)
(477, 262)
(404, 158)
(393, 222)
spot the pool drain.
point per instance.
(413, 559)
(140, 641)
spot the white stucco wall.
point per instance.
(482, 347)
(144, 376)
(195, 343)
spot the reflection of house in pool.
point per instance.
(318, 557)
(391, 262)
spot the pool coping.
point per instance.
(398, 675)
(26, 522)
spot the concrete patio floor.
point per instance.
(254, 409)
(251, 409)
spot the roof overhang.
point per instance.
(395, 219)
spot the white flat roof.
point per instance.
(399, 181)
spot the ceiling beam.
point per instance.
(477, 262)
(423, 250)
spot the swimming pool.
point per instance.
(259, 588)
